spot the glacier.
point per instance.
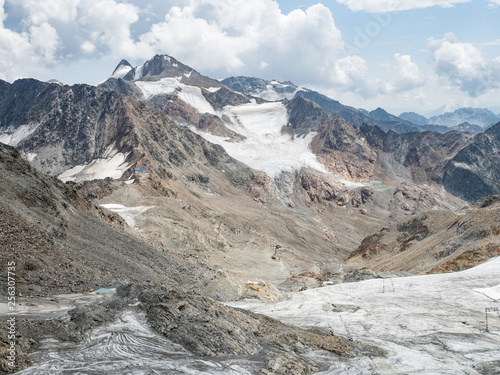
(433, 324)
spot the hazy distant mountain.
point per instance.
(414, 117)
(441, 110)
(474, 116)
(464, 127)
(468, 120)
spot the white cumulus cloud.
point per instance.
(238, 35)
(106, 24)
(43, 11)
(395, 5)
(463, 65)
(407, 75)
(28, 50)
(2, 12)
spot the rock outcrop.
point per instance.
(475, 171)
(432, 242)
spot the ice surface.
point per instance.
(129, 214)
(428, 325)
(129, 346)
(265, 147)
(192, 95)
(113, 166)
(493, 292)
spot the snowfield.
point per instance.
(427, 324)
(13, 137)
(190, 94)
(113, 166)
(129, 214)
(265, 147)
(121, 71)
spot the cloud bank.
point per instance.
(235, 37)
(377, 6)
(463, 65)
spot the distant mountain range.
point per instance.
(273, 90)
(469, 120)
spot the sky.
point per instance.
(400, 55)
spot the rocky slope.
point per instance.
(193, 197)
(62, 243)
(475, 171)
(433, 242)
(423, 155)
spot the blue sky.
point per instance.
(398, 54)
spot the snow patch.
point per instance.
(31, 156)
(113, 166)
(138, 72)
(271, 94)
(265, 147)
(121, 71)
(163, 86)
(192, 95)
(129, 214)
(461, 165)
(13, 137)
(213, 89)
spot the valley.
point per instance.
(174, 189)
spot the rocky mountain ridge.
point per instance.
(272, 90)
(433, 242)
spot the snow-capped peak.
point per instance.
(122, 69)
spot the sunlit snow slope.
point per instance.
(427, 324)
(265, 146)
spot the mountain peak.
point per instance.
(414, 117)
(161, 66)
(121, 69)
